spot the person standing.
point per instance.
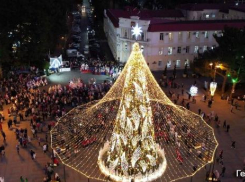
(221, 154)
(223, 171)
(233, 144)
(4, 136)
(46, 137)
(224, 124)
(199, 111)
(22, 179)
(18, 148)
(44, 148)
(39, 141)
(227, 128)
(33, 155)
(232, 108)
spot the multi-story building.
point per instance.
(169, 37)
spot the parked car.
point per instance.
(86, 51)
(75, 13)
(90, 36)
(75, 45)
(76, 36)
(74, 53)
(77, 39)
(96, 45)
(71, 52)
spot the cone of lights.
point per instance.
(134, 133)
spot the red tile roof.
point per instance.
(196, 25)
(115, 14)
(158, 24)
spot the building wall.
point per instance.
(201, 15)
(233, 14)
(174, 47)
(157, 52)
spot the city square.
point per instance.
(130, 113)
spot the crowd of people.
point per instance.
(97, 67)
(27, 98)
(178, 96)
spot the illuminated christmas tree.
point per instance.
(123, 134)
(133, 153)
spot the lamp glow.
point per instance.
(213, 86)
(193, 90)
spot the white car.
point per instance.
(86, 51)
(80, 55)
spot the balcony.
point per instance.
(133, 40)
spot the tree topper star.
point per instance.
(136, 31)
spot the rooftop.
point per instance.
(162, 20)
(115, 14)
(195, 25)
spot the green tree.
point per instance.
(34, 27)
(230, 53)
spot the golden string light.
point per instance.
(134, 131)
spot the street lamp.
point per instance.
(213, 86)
(193, 90)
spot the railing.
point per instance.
(133, 40)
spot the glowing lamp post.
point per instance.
(193, 90)
(213, 86)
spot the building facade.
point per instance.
(168, 39)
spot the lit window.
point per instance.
(187, 62)
(169, 63)
(180, 35)
(142, 48)
(197, 34)
(177, 63)
(207, 16)
(213, 15)
(195, 49)
(170, 36)
(179, 50)
(161, 51)
(161, 36)
(170, 50)
(206, 34)
(205, 48)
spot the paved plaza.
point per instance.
(14, 165)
